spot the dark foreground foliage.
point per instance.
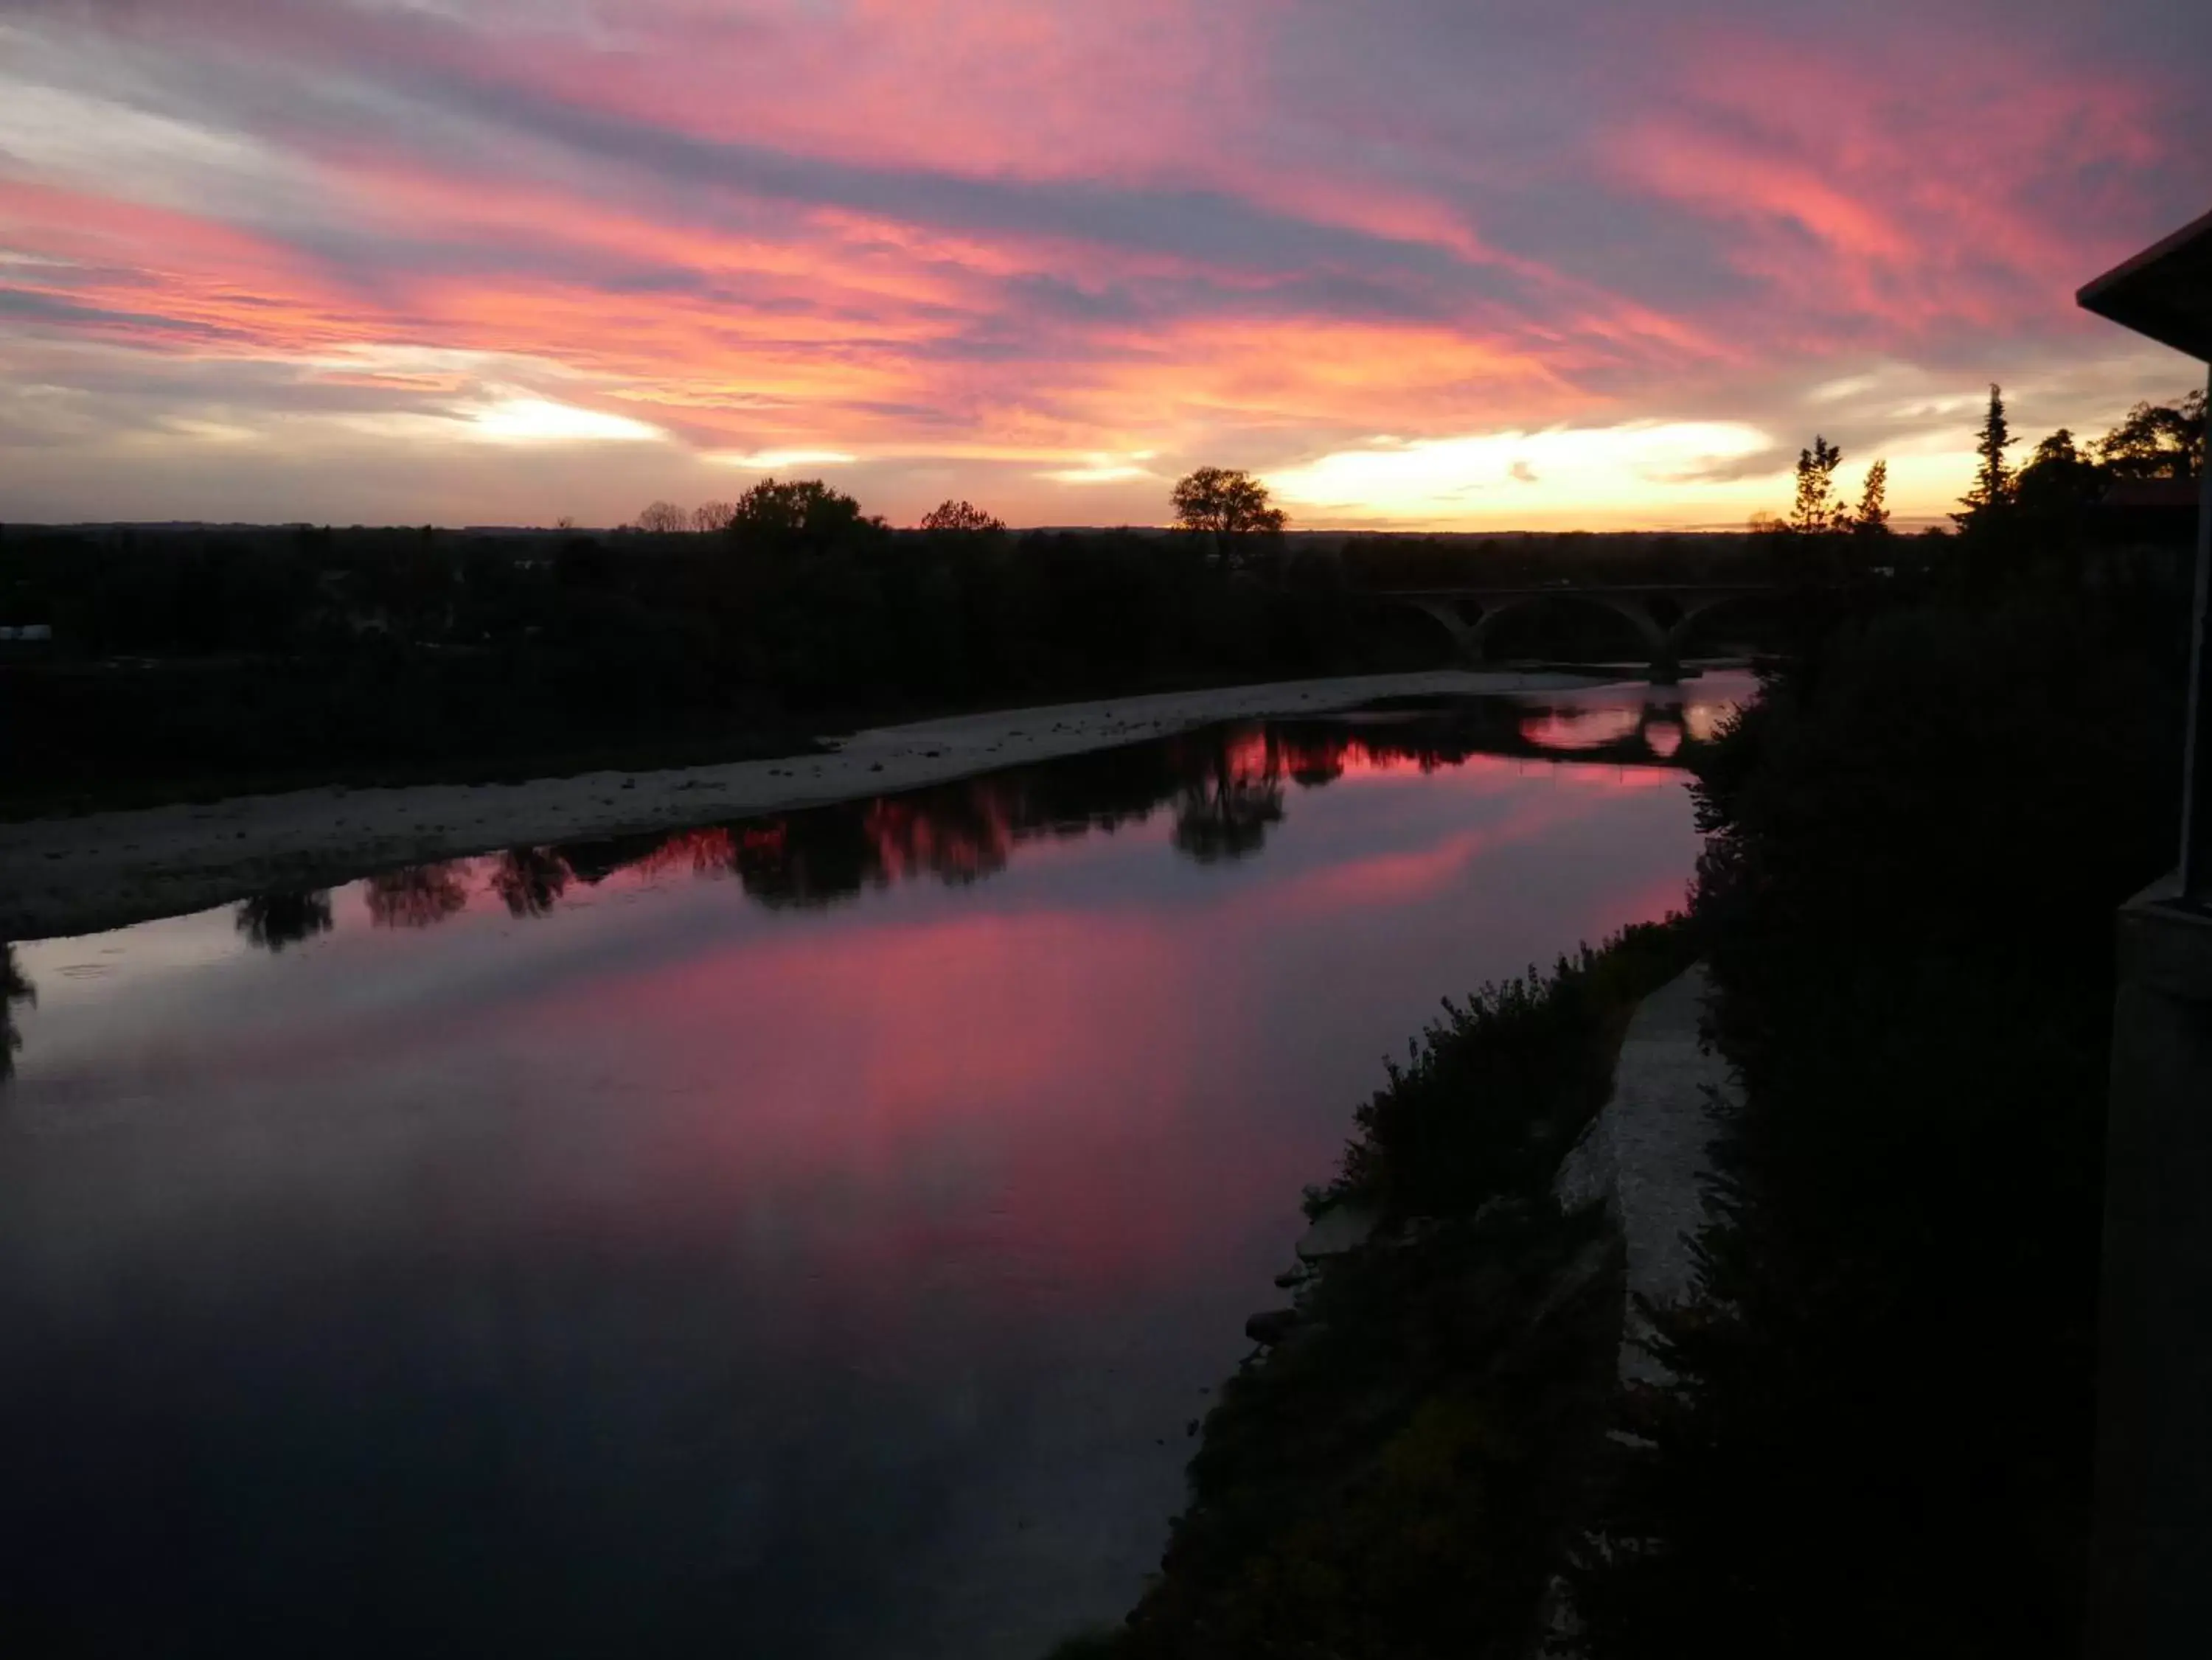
(1399, 1480)
(1881, 1440)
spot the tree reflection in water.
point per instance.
(273, 921)
(418, 896)
(1226, 810)
(14, 987)
(530, 879)
(1225, 786)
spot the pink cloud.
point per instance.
(1913, 186)
(970, 232)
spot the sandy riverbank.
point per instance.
(102, 870)
(1648, 1155)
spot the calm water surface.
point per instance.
(807, 1237)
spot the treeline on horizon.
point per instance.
(244, 656)
(214, 660)
(220, 660)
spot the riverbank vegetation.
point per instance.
(1402, 1474)
(1492, 1096)
(1878, 1435)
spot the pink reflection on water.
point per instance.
(1579, 729)
(1703, 717)
(979, 1172)
(972, 1074)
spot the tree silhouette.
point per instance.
(804, 513)
(1227, 505)
(711, 516)
(664, 518)
(273, 921)
(2158, 440)
(960, 516)
(2059, 481)
(1816, 509)
(1872, 519)
(1993, 480)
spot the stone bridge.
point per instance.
(1662, 613)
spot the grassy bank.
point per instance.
(1400, 1477)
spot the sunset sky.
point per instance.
(1479, 263)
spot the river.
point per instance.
(809, 1237)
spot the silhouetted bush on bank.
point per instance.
(1401, 1478)
(1492, 1097)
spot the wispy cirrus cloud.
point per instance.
(1053, 253)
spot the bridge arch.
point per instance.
(1696, 610)
(1631, 608)
(1447, 614)
(1663, 616)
